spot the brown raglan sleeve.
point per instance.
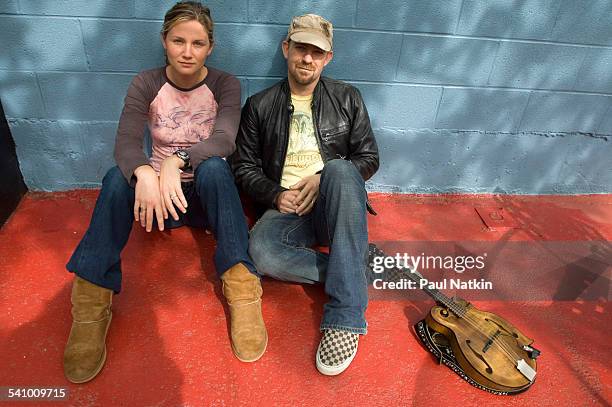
(222, 141)
(129, 150)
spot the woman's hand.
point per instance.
(170, 186)
(148, 203)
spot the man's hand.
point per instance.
(148, 202)
(170, 187)
(308, 188)
(285, 201)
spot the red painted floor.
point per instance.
(168, 344)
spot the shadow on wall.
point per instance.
(65, 129)
(491, 117)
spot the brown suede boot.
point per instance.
(85, 351)
(242, 290)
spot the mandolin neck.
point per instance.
(436, 294)
(421, 282)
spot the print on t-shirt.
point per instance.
(303, 156)
(303, 149)
(183, 122)
(179, 119)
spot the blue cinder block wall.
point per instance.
(472, 96)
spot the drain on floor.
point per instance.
(496, 218)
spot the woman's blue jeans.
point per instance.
(281, 246)
(213, 202)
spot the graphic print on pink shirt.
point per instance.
(179, 119)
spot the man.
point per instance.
(304, 150)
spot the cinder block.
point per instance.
(424, 161)
(400, 106)
(60, 155)
(340, 12)
(244, 90)
(100, 141)
(533, 19)
(257, 85)
(20, 95)
(84, 96)
(47, 153)
(481, 109)
(123, 45)
(585, 165)
(584, 22)
(536, 163)
(537, 66)
(446, 60)
(414, 16)
(93, 8)
(605, 127)
(364, 56)
(596, 72)
(9, 6)
(249, 50)
(221, 11)
(594, 175)
(41, 43)
(564, 112)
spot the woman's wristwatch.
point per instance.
(184, 155)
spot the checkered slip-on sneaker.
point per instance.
(336, 351)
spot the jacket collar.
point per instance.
(315, 94)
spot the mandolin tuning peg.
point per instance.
(531, 351)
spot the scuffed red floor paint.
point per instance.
(168, 343)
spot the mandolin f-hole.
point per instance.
(489, 370)
(502, 328)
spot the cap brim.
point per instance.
(313, 39)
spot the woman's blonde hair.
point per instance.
(187, 11)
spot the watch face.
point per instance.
(183, 155)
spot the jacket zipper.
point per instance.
(316, 130)
(286, 140)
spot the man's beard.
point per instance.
(304, 80)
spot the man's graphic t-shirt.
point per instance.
(303, 156)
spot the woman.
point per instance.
(193, 112)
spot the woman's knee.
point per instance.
(212, 176)
(212, 173)
(212, 168)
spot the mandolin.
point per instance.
(483, 348)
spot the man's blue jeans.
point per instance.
(281, 246)
(212, 200)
